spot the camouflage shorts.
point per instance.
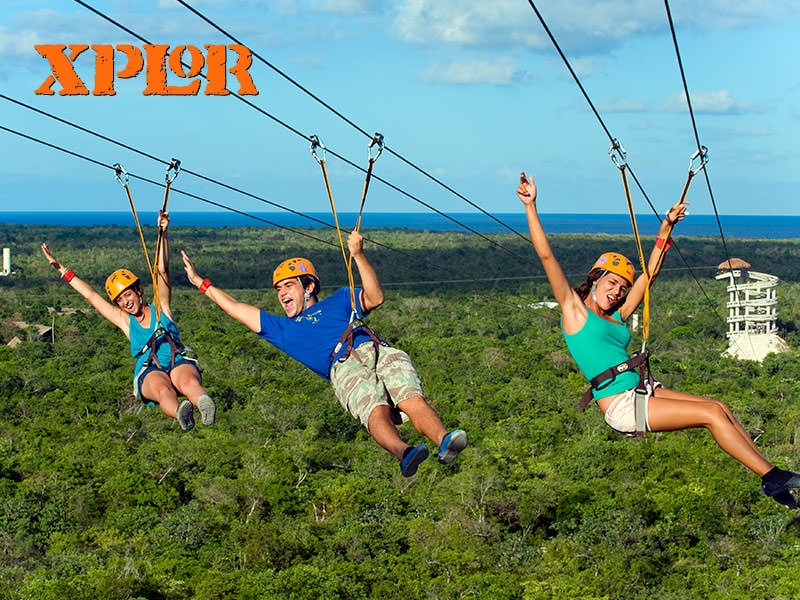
(361, 385)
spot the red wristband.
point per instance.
(205, 285)
(660, 243)
(68, 275)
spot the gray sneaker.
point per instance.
(186, 415)
(208, 410)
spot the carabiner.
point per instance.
(174, 165)
(118, 172)
(615, 151)
(317, 143)
(377, 140)
(703, 154)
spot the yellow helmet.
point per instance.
(613, 262)
(294, 267)
(119, 281)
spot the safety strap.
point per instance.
(607, 377)
(376, 142)
(640, 363)
(347, 338)
(175, 349)
(617, 154)
(174, 167)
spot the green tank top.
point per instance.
(600, 345)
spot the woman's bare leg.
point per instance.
(669, 412)
(733, 419)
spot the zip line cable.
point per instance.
(188, 171)
(694, 128)
(346, 120)
(207, 201)
(615, 143)
(157, 184)
(308, 139)
(700, 148)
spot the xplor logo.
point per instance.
(155, 60)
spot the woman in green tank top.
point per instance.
(593, 319)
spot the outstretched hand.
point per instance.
(526, 190)
(49, 256)
(191, 272)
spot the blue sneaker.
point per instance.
(453, 443)
(412, 459)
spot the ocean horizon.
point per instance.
(733, 226)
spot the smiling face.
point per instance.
(291, 295)
(130, 300)
(609, 290)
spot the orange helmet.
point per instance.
(119, 281)
(613, 262)
(294, 267)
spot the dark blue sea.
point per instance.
(734, 226)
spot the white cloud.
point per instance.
(500, 72)
(345, 7)
(720, 102)
(581, 26)
(622, 105)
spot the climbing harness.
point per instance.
(176, 348)
(641, 359)
(356, 322)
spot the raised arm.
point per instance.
(572, 309)
(113, 313)
(246, 314)
(371, 292)
(656, 260)
(164, 284)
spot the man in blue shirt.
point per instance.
(375, 383)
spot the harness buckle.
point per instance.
(618, 154)
(174, 165)
(119, 171)
(702, 153)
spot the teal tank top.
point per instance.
(600, 345)
(139, 337)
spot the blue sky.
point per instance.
(471, 91)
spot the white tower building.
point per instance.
(752, 311)
(6, 270)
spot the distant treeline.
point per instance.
(243, 257)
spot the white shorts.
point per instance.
(621, 413)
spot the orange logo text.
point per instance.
(155, 60)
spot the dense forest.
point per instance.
(286, 497)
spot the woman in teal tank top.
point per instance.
(593, 319)
(160, 378)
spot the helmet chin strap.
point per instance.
(594, 287)
(306, 295)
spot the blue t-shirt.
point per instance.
(140, 336)
(311, 336)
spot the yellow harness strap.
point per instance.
(119, 173)
(316, 143)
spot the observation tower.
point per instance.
(752, 311)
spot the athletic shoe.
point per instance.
(777, 483)
(412, 459)
(186, 415)
(785, 498)
(453, 443)
(208, 410)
